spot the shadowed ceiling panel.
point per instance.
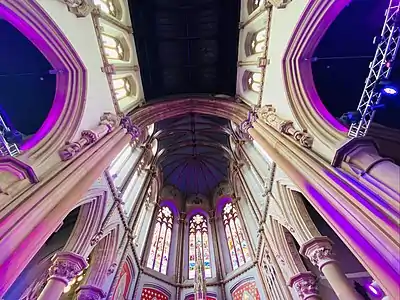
(186, 46)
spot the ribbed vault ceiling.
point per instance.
(193, 152)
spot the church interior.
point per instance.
(199, 150)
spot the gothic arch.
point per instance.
(69, 102)
(103, 257)
(303, 98)
(89, 222)
(288, 209)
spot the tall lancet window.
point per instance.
(199, 245)
(237, 244)
(161, 243)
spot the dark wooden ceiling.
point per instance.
(186, 46)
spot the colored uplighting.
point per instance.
(390, 90)
(373, 290)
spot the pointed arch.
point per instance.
(235, 236)
(160, 246)
(125, 279)
(89, 222)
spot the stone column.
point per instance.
(319, 252)
(66, 265)
(305, 285)
(90, 292)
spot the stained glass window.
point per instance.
(161, 243)
(112, 47)
(199, 245)
(237, 245)
(254, 4)
(106, 6)
(258, 41)
(254, 81)
(122, 88)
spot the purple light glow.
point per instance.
(373, 290)
(221, 203)
(171, 205)
(195, 211)
(390, 91)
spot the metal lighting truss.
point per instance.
(380, 68)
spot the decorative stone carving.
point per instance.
(108, 122)
(268, 115)
(132, 129)
(97, 237)
(248, 123)
(90, 292)
(66, 265)
(319, 251)
(80, 8)
(305, 284)
(112, 268)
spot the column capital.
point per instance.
(305, 285)
(66, 265)
(90, 292)
(319, 251)
(131, 128)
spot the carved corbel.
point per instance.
(108, 122)
(269, 116)
(80, 8)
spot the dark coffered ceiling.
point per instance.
(186, 46)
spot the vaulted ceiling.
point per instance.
(342, 60)
(188, 47)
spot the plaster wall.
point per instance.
(146, 280)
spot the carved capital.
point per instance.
(268, 115)
(108, 122)
(80, 8)
(132, 129)
(90, 292)
(319, 251)
(66, 265)
(305, 284)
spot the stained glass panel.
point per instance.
(258, 42)
(199, 245)
(112, 47)
(235, 236)
(254, 81)
(161, 243)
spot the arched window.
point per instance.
(199, 245)
(258, 41)
(122, 88)
(237, 244)
(107, 6)
(252, 5)
(254, 81)
(161, 243)
(112, 47)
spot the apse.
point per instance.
(27, 87)
(340, 64)
(193, 153)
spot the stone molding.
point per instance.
(66, 265)
(80, 8)
(90, 292)
(108, 122)
(268, 115)
(319, 251)
(280, 3)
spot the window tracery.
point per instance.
(258, 41)
(107, 6)
(113, 48)
(254, 81)
(161, 242)
(252, 5)
(122, 88)
(237, 245)
(199, 245)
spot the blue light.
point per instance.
(390, 90)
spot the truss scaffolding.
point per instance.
(379, 69)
